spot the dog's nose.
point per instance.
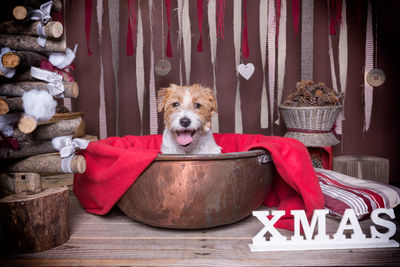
(185, 122)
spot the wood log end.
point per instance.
(27, 124)
(55, 29)
(74, 89)
(20, 12)
(78, 164)
(10, 60)
(81, 130)
(4, 109)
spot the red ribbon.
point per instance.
(88, 22)
(66, 72)
(169, 48)
(245, 38)
(295, 15)
(278, 16)
(200, 23)
(221, 17)
(335, 15)
(130, 36)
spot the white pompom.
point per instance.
(39, 104)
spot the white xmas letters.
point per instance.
(321, 240)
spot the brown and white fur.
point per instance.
(187, 118)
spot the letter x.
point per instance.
(259, 239)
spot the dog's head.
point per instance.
(187, 110)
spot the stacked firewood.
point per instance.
(28, 37)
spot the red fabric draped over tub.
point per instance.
(113, 164)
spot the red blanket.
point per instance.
(113, 164)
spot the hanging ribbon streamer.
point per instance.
(237, 26)
(88, 23)
(335, 16)
(200, 24)
(168, 52)
(131, 33)
(187, 39)
(245, 38)
(271, 56)
(343, 55)
(281, 64)
(263, 45)
(295, 15)
(152, 85)
(307, 40)
(139, 67)
(369, 64)
(213, 47)
(180, 12)
(221, 17)
(102, 107)
(338, 128)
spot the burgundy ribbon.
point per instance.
(295, 15)
(221, 17)
(200, 24)
(278, 16)
(88, 22)
(335, 15)
(9, 142)
(65, 72)
(245, 38)
(130, 36)
(169, 48)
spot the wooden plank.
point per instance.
(114, 239)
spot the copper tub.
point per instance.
(199, 191)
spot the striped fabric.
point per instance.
(343, 192)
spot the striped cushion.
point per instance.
(343, 192)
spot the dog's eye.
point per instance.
(197, 105)
(175, 104)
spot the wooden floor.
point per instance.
(116, 240)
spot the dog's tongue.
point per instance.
(184, 138)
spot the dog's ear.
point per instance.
(213, 101)
(161, 99)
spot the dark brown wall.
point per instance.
(380, 140)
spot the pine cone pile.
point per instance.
(309, 94)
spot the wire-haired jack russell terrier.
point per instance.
(187, 118)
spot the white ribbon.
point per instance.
(43, 16)
(237, 26)
(271, 57)
(211, 13)
(140, 81)
(54, 80)
(66, 164)
(263, 44)
(8, 72)
(67, 146)
(187, 39)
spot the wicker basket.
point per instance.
(311, 125)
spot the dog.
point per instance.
(187, 119)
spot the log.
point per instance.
(33, 183)
(74, 127)
(49, 163)
(27, 149)
(27, 124)
(71, 89)
(53, 29)
(34, 223)
(20, 76)
(10, 60)
(13, 104)
(22, 59)
(20, 12)
(26, 42)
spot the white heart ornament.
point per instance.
(246, 70)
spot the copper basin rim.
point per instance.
(199, 191)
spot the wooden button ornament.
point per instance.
(375, 77)
(163, 67)
(246, 71)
